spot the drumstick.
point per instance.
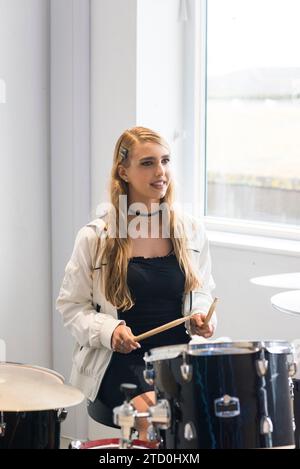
(175, 323)
(162, 328)
(210, 312)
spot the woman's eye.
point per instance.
(148, 163)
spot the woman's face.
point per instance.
(148, 174)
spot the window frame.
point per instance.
(198, 166)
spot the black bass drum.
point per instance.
(35, 430)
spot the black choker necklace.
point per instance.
(139, 213)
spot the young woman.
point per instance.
(141, 264)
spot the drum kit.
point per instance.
(216, 395)
(232, 394)
(32, 406)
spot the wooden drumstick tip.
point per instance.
(210, 311)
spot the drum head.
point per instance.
(165, 353)
(225, 348)
(29, 388)
(218, 348)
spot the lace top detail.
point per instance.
(171, 253)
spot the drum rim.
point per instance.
(250, 346)
(115, 442)
(35, 367)
(236, 348)
(177, 349)
(217, 348)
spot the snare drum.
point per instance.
(114, 443)
(225, 395)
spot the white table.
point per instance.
(289, 280)
(287, 302)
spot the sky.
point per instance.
(252, 33)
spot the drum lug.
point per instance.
(2, 425)
(149, 374)
(186, 370)
(190, 431)
(261, 366)
(61, 415)
(266, 425)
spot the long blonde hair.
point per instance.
(116, 249)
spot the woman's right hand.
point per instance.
(122, 340)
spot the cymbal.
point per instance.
(288, 280)
(287, 302)
(25, 388)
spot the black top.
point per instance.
(157, 286)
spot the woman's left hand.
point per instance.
(197, 327)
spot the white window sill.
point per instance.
(254, 243)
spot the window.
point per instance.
(253, 110)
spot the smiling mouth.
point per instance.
(158, 185)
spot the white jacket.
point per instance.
(80, 294)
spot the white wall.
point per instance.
(25, 236)
(113, 85)
(244, 310)
(70, 164)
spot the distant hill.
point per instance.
(277, 83)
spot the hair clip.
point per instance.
(124, 153)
